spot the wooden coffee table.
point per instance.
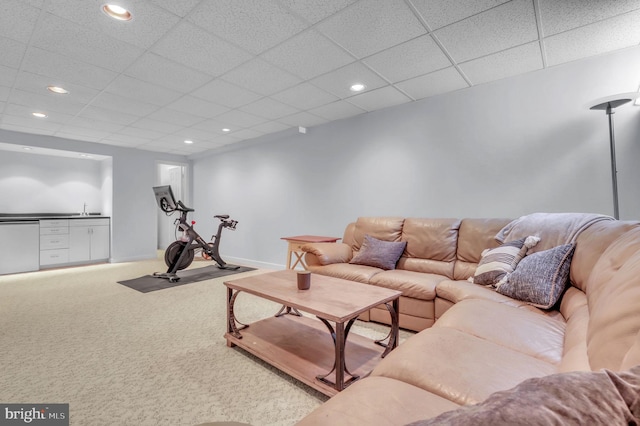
(319, 352)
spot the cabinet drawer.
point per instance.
(89, 222)
(53, 223)
(54, 231)
(53, 257)
(49, 242)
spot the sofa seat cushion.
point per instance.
(457, 291)
(378, 401)
(418, 285)
(459, 367)
(524, 331)
(346, 271)
(578, 398)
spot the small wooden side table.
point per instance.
(295, 244)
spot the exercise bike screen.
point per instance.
(164, 197)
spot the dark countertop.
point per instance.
(20, 217)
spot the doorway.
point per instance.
(174, 174)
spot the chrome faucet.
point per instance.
(84, 210)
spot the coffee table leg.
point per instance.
(393, 331)
(339, 336)
(288, 310)
(232, 322)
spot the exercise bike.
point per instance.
(181, 252)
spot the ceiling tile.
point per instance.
(438, 82)
(270, 127)
(305, 96)
(180, 8)
(304, 119)
(261, 77)
(372, 25)
(379, 98)
(137, 133)
(269, 108)
(90, 123)
(16, 125)
(254, 25)
(500, 28)
(57, 35)
(12, 52)
(245, 134)
(239, 118)
(7, 76)
(337, 110)
(224, 93)
(149, 22)
(46, 102)
(339, 81)
(313, 10)
(49, 64)
(123, 140)
(24, 111)
(558, 16)
(178, 118)
(188, 44)
(133, 88)
(214, 127)
(507, 63)
(439, 13)
(45, 126)
(108, 115)
(4, 95)
(117, 103)
(81, 133)
(156, 126)
(308, 55)
(164, 72)
(38, 84)
(17, 20)
(410, 59)
(593, 39)
(198, 107)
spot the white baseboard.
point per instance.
(253, 263)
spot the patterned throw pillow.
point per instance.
(378, 253)
(496, 263)
(541, 277)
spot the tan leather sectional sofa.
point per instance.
(474, 341)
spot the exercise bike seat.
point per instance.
(222, 216)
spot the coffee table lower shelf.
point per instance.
(303, 348)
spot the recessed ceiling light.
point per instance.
(188, 142)
(39, 114)
(85, 156)
(117, 12)
(226, 130)
(27, 148)
(357, 87)
(57, 89)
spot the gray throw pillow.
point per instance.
(540, 278)
(574, 398)
(378, 253)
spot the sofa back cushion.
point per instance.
(475, 235)
(613, 296)
(381, 228)
(590, 245)
(431, 245)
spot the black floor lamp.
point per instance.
(608, 106)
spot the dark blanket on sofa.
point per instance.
(576, 398)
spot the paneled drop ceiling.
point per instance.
(188, 69)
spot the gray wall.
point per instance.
(129, 175)
(503, 149)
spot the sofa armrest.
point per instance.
(327, 253)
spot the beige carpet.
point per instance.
(120, 357)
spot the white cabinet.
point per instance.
(88, 240)
(19, 247)
(54, 242)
